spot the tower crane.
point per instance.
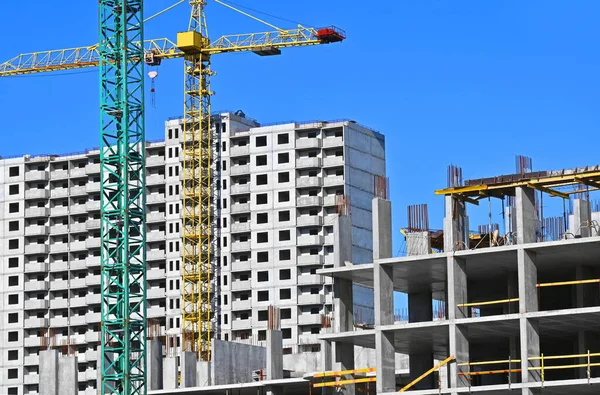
(121, 55)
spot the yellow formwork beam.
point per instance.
(489, 362)
(345, 382)
(344, 372)
(574, 282)
(564, 356)
(427, 373)
(476, 304)
(489, 372)
(543, 182)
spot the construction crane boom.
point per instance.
(159, 49)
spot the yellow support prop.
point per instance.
(574, 282)
(427, 373)
(488, 362)
(344, 382)
(344, 372)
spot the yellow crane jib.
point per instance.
(156, 50)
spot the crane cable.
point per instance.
(267, 14)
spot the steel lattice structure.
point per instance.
(122, 161)
(198, 265)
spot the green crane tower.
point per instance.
(122, 161)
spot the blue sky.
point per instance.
(466, 82)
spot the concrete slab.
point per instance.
(493, 327)
(562, 322)
(360, 274)
(364, 338)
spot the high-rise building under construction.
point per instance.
(280, 188)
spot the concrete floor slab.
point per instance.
(364, 338)
(359, 274)
(562, 322)
(493, 327)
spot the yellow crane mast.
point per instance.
(199, 220)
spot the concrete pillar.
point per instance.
(456, 225)
(67, 376)
(528, 292)
(530, 347)
(204, 374)
(48, 372)
(420, 306)
(419, 364)
(457, 288)
(384, 340)
(326, 356)
(154, 366)
(170, 373)
(459, 347)
(99, 357)
(342, 240)
(458, 340)
(188, 369)
(581, 218)
(382, 228)
(527, 225)
(343, 299)
(274, 354)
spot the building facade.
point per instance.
(278, 197)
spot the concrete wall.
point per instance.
(234, 362)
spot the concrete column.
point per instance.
(99, 368)
(274, 354)
(67, 376)
(188, 369)
(420, 306)
(581, 218)
(204, 374)
(530, 347)
(326, 356)
(49, 372)
(456, 225)
(342, 240)
(154, 366)
(527, 225)
(528, 292)
(419, 364)
(382, 229)
(459, 347)
(343, 299)
(384, 340)
(170, 373)
(457, 288)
